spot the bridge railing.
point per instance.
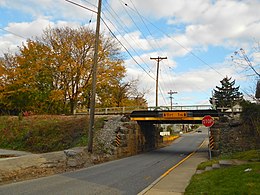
(111, 110)
(189, 107)
(128, 110)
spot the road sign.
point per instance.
(207, 121)
(174, 114)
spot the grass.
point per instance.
(248, 155)
(229, 180)
(252, 155)
(44, 133)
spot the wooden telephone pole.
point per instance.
(171, 93)
(158, 59)
(94, 82)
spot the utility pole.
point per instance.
(94, 81)
(158, 59)
(171, 93)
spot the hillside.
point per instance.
(44, 133)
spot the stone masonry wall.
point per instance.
(119, 137)
(232, 137)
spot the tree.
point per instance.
(251, 117)
(15, 94)
(120, 94)
(53, 72)
(227, 95)
(249, 61)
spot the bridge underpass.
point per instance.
(149, 122)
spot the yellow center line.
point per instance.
(167, 172)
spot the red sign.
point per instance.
(207, 121)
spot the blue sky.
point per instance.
(198, 38)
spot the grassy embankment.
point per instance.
(237, 179)
(44, 133)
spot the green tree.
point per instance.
(251, 117)
(227, 95)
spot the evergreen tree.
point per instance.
(227, 95)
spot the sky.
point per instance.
(200, 38)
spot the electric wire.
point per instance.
(114, 37)
(13, 33)
(129, 53)
(123, 28)
(125, 48)
(84, 7)
(155, 41)
(135, 10)
(158, 47)
(189, 51)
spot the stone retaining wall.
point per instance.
(232, 137)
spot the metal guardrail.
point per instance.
(128, 110)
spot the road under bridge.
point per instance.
(149, 120)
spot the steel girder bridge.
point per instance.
(173, 116)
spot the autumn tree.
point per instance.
(120, 93)
(14, 93)
(227, 94)
(134, 96)
(54, 71)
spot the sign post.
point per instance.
(208, 121)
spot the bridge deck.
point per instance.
(173, 116)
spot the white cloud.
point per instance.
(57, 9)
(193, 86)
(208, 23)
(30, 29)
(27, 30)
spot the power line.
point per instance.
(81, 6)
(171, 93)
(122, 27)
(116, 39)
(189, 51)
(125, 48)
(112, 35)
(162, 94)
(158, 59)
(193, 54)
(149, 42)
(90, 3)
(13, 33)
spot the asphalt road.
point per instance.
(125, 176)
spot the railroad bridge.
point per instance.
(148, 121)
(173, 116)
(148, 118)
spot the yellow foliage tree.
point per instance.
(54, 71)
